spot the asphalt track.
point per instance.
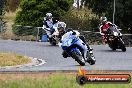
(106, 59)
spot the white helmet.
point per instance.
(48, 14)
(103, 19)
(61, 25)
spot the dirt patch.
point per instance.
(11, 59)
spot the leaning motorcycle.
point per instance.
(114, 39)
(75, 51)
(53, 38)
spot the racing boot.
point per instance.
(90, 57)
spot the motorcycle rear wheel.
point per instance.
(53, 44)
(114, 49)
(78, 58)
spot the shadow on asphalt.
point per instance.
(43, 45)
(110, 50)
(77, 65)
(52, 45)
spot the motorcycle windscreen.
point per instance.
(113, 30)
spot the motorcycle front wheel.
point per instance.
(123, 48)
(52, 42)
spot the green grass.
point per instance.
(51, 81)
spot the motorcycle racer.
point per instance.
(103, 26)
(66, 35)
(48, 22)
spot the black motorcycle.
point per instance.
(114, 39)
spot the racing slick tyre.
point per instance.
(78, 58)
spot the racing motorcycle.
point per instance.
(114, 38)
(75, 51)
(53, 38)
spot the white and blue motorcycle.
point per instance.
(53, 38)
(74, 50)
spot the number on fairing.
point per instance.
(68, 42)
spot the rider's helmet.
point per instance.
(48, 15)
(103, 19)
(69, 29)
(61, 27)
(55, 20)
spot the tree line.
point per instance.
(31, 12)
(123, 11)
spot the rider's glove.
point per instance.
(102, 34)
(74, 33)
(44, 27)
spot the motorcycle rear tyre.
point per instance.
(78, 58)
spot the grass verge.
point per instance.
(10, 59)
(50, 80)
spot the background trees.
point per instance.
(2, 11)
(33, 11)
(2, 6)
(123, 13)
